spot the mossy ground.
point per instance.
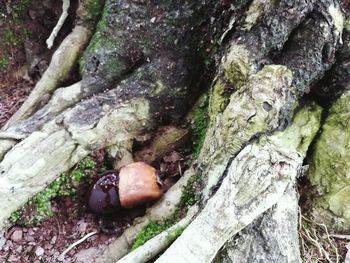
(39, 206)
(12, 31)
(188, 198)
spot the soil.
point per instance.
(24, 27)
(72, 220)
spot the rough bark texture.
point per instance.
(329, 166)
(256, 180)
(154, 91)
(271, 238)
(145, 65)
(329, 163)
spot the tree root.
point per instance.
(61, 65)
(157, 244)
(256, 180)
(165, 207)
(64, 15)
(273, 236)
(316, 242)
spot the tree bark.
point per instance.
(145, 66)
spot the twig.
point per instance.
(76, 243)
(64, 15)
(346, 237)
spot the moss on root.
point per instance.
(188, 198)
(329, 167)
(93, 9)
(199, 122)
(65, 185)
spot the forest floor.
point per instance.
(24, 27)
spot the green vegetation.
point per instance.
(329, 167)
(9, 37)
(12, 30)
(347, 25)
(188, 198)
(4, 62)
(189, 194)
(199, 126)
(65, 185)
(150, 231)
(20, 8)
(94, 8)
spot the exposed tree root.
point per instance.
(157, 244)
(272, 237)
(160, 211)
(247, 165)
(317, 245)
(256, 180)
(63, 60)
(64, 15)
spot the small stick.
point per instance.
(346, 237)
(64, 15)
(76, 243)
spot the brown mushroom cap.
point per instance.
(138, 185)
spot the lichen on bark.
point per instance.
(329, 167)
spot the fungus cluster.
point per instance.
(135, 184)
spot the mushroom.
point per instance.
(104, 196)
(136, 184)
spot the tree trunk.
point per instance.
(145, 66)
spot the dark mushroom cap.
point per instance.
(104, 195)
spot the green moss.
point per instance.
(4, 63)
(87, 163)
(306, 123)
(9, 37)
(237, 66)
(102, 38)
(329, 164)
(63, 186)
(150, 231)
(20, 8)
(188, 198)
(103, 46)
(347, 25)
(93, 8)
(219, 99)
(15, 216)
(189, 193)
(199, 124)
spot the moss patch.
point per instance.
(4, 63)
(219, 99)
(93, 9)
(347, 25)
(12, 31)
(150, 231)
(329, 166)
(39, 206)
(188, 198)
(199, 123)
